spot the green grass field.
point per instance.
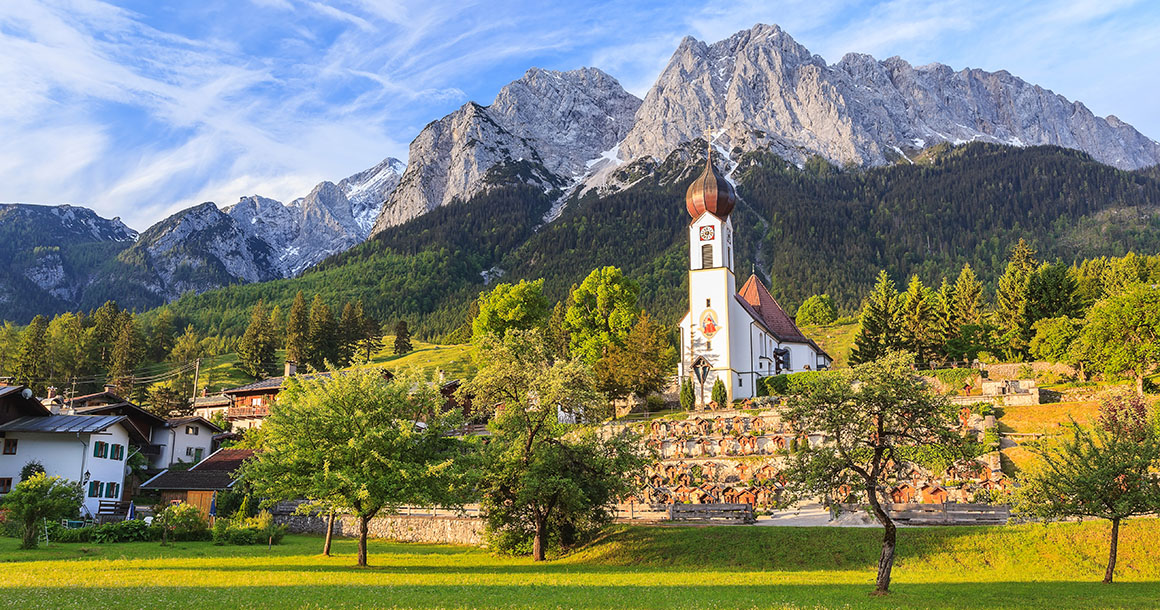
(1028, 566)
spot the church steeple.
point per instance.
(710, 192)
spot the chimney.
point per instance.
(291, 368)
(110, 387)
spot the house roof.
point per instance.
(12, 394)
(213, 473)
(126, 408)
(272, 383)
(65, 424)
(174, 422)
(216, 400)
(756, 300)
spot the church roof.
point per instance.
(710, 192)
(764, 307)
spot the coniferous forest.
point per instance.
(817, 229)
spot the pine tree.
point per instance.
(968, 303)
(687, 396)
(558, 336)
(322, 339)
(32, 366)
(350, 328)
(102, 335)
(257, 348)
(297, 329)
(402, 338)
(719, 395)
(1011, 300)
(370, 338)
(1051, 293)
(878, 324)
(161, 335)
(917, 321)
(125, 355)
(946, 326)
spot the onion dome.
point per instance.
(710, 192)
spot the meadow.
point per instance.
(1022, 566)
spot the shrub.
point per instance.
(133, 530)
(952, 378)
(248, 530)
(687, 398)
(1025, 372)
(80, 534)
(184, 522)
(654, 402)
(817, 310)
(31, 469)
(38, 499)
(719, 395)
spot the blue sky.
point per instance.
(138, 108)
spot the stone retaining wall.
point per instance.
(400, 528)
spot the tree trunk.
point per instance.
(31, 537)
(538, 543)
(329, 534)
(362, 540)
(889, 541)
(1140, 385)
(1112, 552)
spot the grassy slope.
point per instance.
(1019, 566)
(836, 339)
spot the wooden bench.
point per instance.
(950, 513)
(727, 514)
(111, 510)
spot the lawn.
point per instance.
(1030, 566)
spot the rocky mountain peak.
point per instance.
(764, 90)
(552, 123)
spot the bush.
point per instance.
(719, 395)
(793, 383)
(817, 310)
(133, 530)
(242, 531)
(654, 402)
(38, 499)
(954, 379)
(1025, 372)
(184, 522)
(61, 534)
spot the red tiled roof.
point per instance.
(755, 294)
(224, 459)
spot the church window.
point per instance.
(706, 256)
(708, 345)
(708, 302)
(740, 381)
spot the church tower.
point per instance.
(712, 284)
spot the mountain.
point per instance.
(48, 255)
(810, 229)
(542, 129)
(67, 257)
(760, 89)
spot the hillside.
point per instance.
(813, 229)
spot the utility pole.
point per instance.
(196, 378)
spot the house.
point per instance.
(91, 449)
(200, 482)
(208, 407)
(183, 439)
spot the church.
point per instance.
(737, 336)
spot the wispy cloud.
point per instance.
(141, 111)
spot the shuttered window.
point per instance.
(707, 256)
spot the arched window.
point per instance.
(706, 256)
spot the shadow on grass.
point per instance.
(668, 597)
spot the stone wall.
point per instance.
(400, 528)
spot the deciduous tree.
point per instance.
(510, 306)
(1105, 472)
(602, 313)
(641, 366)
(542, 479)
(360, 444)
(38, 499)
(869, 416)
(817, 310)
(1121, 335)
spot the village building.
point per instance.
(735, 335)
(169, 440)
(201, 482)
(90, 449)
